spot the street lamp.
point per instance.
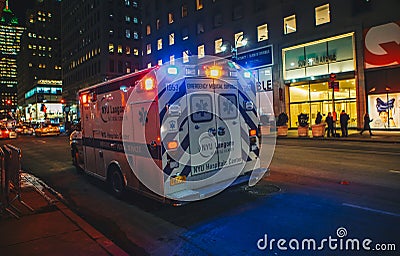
(234, 47)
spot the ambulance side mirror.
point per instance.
(248, 105)
(174, 110)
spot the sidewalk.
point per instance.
(354, 135)
(51, 229)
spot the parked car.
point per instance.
(24, 129)
(47, 129)
(6, 133)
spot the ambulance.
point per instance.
(177, 133)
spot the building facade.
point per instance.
(308, 58)
(39, 64)
(100, 40)
(10, 43)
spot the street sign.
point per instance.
(332, 77)
(334, 85)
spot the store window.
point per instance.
(330, 55)
(218, 45)
(200, 51)
(289, 24)
(262, 32)
(322, 15)
(384, 110)
(313, 97)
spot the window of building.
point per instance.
(127, 18)
(289, 24)
(128, 33)
(119, 50)
(111, 48)
(185, 56)
(135, 4)
(171, 39)
(127, 3)
(128, 50)
(172, 60)
(127, 67)
(262, 32)
(217, 20)
(135, 20)
(170, 18)
(200, 51)
(199, 4)
(200, 28)
(148, 49)
(322, 15)
(135, 35)
(158, 24)
(120, 69)
(148, 30)
(218, 44)
(237, 12)
(149, 65)
(184, 10)
(159, 62)
(159, 44)
(136, 51)
(240, 40)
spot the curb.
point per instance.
(93, 233)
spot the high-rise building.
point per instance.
(10, 42)
(292, 47)
(39, 63)
(100, 40)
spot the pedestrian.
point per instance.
(367, 120)
(344, 119)
(329, 121)
(318, 120)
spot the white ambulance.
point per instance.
(178, 133)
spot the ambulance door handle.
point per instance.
(212, 132)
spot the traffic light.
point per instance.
(8, 102)
(62, 101)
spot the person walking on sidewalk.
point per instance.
(329, 122)
(344, 119)
(367, 120)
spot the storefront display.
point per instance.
(384, 110)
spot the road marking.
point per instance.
(394, 171)
(371, 210)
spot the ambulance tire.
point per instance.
(116, 181)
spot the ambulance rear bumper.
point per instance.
(186, 196)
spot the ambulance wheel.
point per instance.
(116, 181)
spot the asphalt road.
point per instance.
(316, 190)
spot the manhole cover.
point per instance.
(262, 190)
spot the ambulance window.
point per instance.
(227, 106)
(201, 105)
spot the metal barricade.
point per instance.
(12, 181)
